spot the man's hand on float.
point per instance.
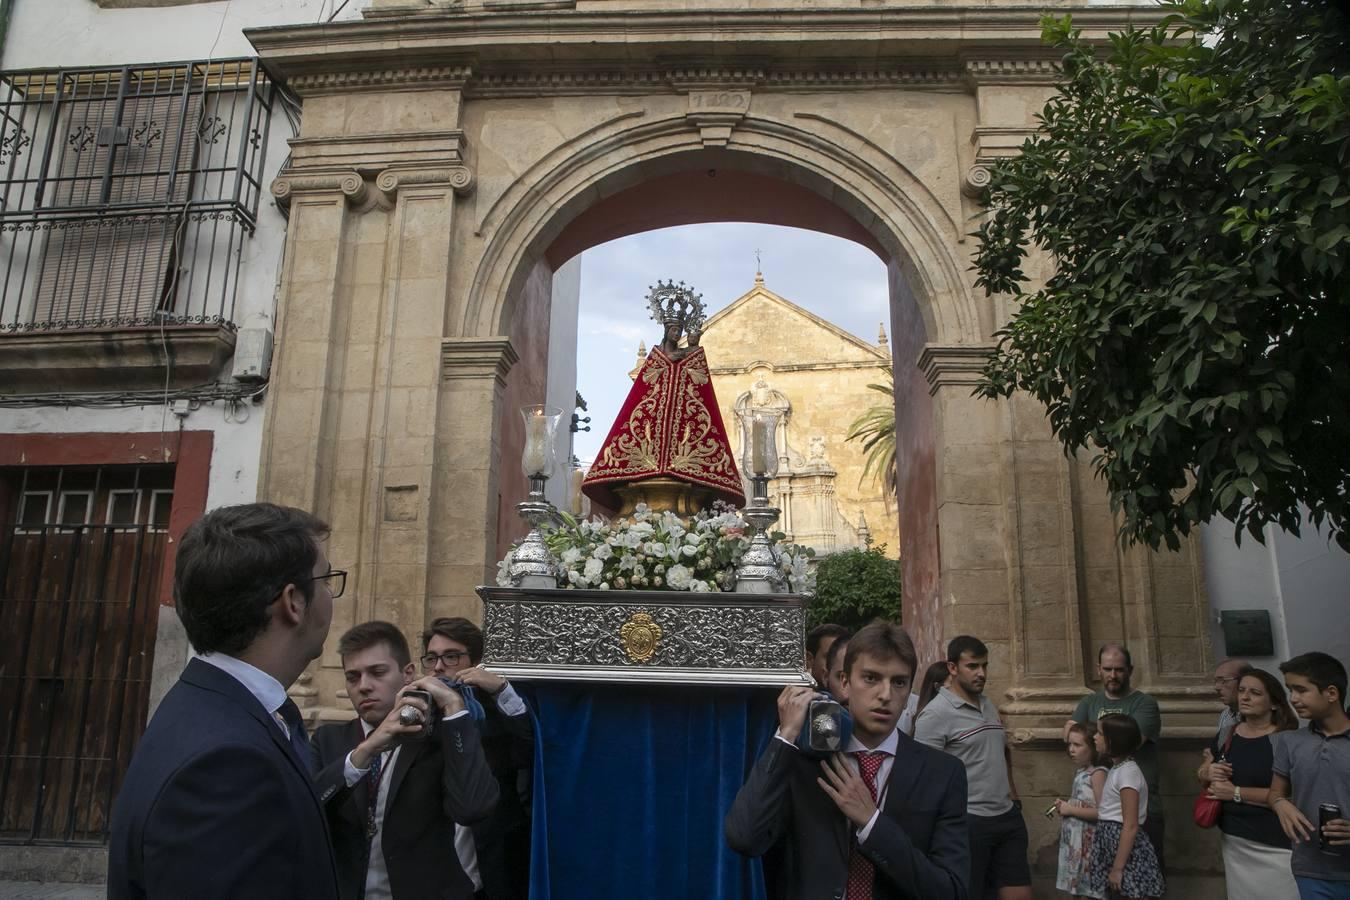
(481, 679)
(389, 733)
(792, 705)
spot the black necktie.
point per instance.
(290, 714)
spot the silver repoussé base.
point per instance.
(758, 571)
(533, 565)
(670, 637)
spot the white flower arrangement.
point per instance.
(661, 551)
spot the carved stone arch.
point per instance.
(893, 206)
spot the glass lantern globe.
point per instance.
(759, 442)
(541, 429)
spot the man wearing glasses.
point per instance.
(495, 852)
(218, 801)
(397, 794)
(1227, 674)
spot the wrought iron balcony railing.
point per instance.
(126, 193)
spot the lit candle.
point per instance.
(758, 464)
(535, 460)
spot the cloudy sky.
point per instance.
(836, 279)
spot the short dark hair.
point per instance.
(882, 639)
(1121, 735)
(1124, 651)
(459, 630)
(833, 653)
(965, 643)
(1322, 669)
(368, 634)
(231, 566)
(820, 633)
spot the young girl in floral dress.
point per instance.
(1079, 814)
(1123, 859)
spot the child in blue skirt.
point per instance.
(1123, 859)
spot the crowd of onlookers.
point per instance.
(1276, 791)
(426, 792)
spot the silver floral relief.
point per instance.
(586, 633)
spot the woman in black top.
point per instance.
(1255, 849)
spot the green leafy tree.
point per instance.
(876, 430)
(1191, 187)
(855, 586)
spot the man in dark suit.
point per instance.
(886, 819)
(218, 801)
(499, 851)
(397, 795)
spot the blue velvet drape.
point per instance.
(631, 784)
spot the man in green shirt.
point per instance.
(1116, 696)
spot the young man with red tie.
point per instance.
(883, 820)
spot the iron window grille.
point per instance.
(126, 193)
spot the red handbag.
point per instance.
(1207, 808)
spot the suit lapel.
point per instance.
(905, 771)
(208, 677)
(406, 757)
(360, 795)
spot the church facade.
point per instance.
(766, 352)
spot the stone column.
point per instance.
(468, 464)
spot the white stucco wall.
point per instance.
(1304, 582)
(53, 33)
(562, 371)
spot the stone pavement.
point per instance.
(37, 890)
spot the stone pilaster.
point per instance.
(467, 460)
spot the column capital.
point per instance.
(477, 358)
(459, 178)
(347, 182)
(953, 364)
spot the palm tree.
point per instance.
(876, 430)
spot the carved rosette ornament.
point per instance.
(639, 636)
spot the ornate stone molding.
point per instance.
(947, 365)
(347, 182)
(459, 178)
(316, 83)
(533, 83)
(716, 113)
(1035, 70)
(477, 358)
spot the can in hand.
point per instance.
(1325, 813)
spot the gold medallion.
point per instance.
(638, 637)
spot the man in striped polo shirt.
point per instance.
(962, 721)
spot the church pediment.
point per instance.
(762, 325)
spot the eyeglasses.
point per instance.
(1220, 681)
(336, 587)
(451, 659)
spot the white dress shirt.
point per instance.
(262, 686)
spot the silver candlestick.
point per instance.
(758, 571)
(533, 565)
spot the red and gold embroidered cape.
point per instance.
(669, 427)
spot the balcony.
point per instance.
(126, 195)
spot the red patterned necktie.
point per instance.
(860, 869)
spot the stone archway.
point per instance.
(451, 157)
